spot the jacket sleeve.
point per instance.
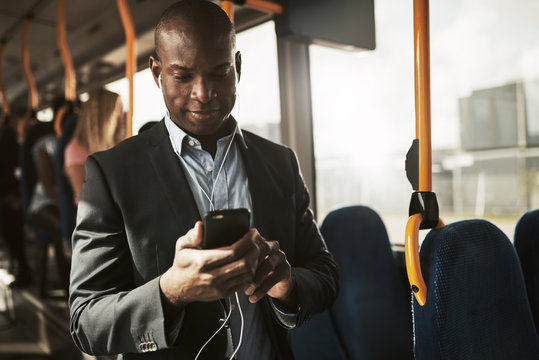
(109, 314)
(313, 267)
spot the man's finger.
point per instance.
(266, 285)
(264, 269)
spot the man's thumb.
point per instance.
(192, 239)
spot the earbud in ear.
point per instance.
(159, 82)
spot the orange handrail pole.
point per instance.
(228, 7)
(411, 254)
(266, 6)
(422, 92)
(33, 101)
(130, 60)
(70, 86)
(3, 96)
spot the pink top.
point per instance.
(75, 154)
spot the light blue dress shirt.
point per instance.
(231, 191)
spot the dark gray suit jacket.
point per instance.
(135, 203)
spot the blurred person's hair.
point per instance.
(100, 124)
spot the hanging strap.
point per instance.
(130, 59)
(70, 87)
(33, 101)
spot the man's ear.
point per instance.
(155, 68)
(238, 65)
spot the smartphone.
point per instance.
(224, 227)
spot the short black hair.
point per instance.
(197, 12)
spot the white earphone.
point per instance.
(159, 81)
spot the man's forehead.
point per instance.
(191, 37)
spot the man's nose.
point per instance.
(202, 90)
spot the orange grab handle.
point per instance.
(33, 101)
(70, 86)
(411, 253)
(266, 6)
(58, 120)
(130, 61)
(422, 92)
(3, 96)
(228, 7)
(70, 79)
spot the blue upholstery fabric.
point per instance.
(476, 304)
(527, 246)
(65, 192)
(371, 318)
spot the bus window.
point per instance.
(149, 104)
(484, 97)
(258, 91)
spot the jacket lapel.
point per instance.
(262, 184)
(171, 176)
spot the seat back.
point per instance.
(371, 318)
(476, 305)
(527, 247)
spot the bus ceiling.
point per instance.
(96, 40)
(96, 37)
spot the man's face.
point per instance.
(198, 78)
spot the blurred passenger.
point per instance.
(43, 211)
(29, 131)
(68, 122)
(100, 127)
(11, 219)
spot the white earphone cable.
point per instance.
(210, 198)
(219, 329)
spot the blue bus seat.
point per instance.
(476, 304)
(371, 318)
(527, 247)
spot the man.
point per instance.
(137, 284)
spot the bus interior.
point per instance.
(416, 127)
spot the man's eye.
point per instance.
(182, 77)
(221, 75)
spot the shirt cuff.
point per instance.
(172, 328)
(288, 320)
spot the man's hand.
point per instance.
(208, 275)
(273, 276)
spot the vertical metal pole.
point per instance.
(422, 92)
(130, 59)
(296, 107)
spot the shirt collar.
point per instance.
(178, 136)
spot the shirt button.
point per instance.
(209, 168)
(191, 143)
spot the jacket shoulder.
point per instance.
(265, 145)
(131, 149)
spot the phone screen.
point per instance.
(224, 227)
